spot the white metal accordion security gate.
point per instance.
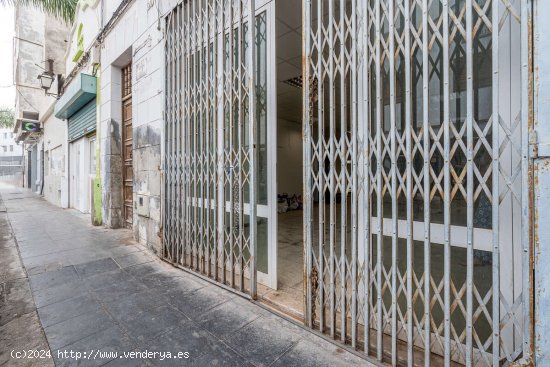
(416, 178)
(209, 217)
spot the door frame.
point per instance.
(126, 94)
(270, 279)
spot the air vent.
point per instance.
(29, 115)
(295, 82)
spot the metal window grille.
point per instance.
(209, 219)
(416, 191)
(415, 252)
(127, 81)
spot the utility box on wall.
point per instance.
(142, 205)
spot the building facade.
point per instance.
(375, 169)
(34, 44)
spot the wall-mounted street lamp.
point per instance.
(47, 78)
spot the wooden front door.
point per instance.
(127, 139)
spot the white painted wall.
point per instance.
(136, 38)
(90, 17)
(8, 146)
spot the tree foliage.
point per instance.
(62, 9)
(7, 118)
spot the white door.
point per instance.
(79, 175)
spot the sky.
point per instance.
(7, 89)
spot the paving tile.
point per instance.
(227, 318)
(130, 306)
(129, 361)
(96, 267)
(53, 278)
(163, 281)
(263, 341)
(61, 311)
(107, 279)
(34, 261)
(119, 250)
(59, 293)
(76, 328)
(193, 304)
(308, 353)
(119, 290)
(142, 270)
(147, 327)
(99, 348)
(187, 337)
(220, 357)
(133, 258)
(39, 269)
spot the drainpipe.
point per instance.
(42, 170)
(97, 219)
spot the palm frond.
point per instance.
(61, 9)
(7, 118)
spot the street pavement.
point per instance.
(101, 299)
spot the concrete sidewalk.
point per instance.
(96, 290)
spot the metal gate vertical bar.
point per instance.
(253, 142)
(202, 137)
(207, 16)
(354, 172)
(240, 41)
(220, 156)
(173, 159)
(174, 136)
(197, 133)
(366, 148)
(182, 260)
(187, 171)
(469, 186)
(199, 49)
(409, 214)
(168, 159)
(446, 188)
(379, 212)
(306, 51)
(426, 185)
(199, 82)
(221, 143)
(216, 6)
(167, 166)
(214, 154)
(343, 172)
(177, 124)
(525, 200)
(321, 152)
(393, 170)
(495, 130)
(192, 140)
(165, 225)
(332, 173)
(230, 161)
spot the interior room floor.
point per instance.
(288, 298)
